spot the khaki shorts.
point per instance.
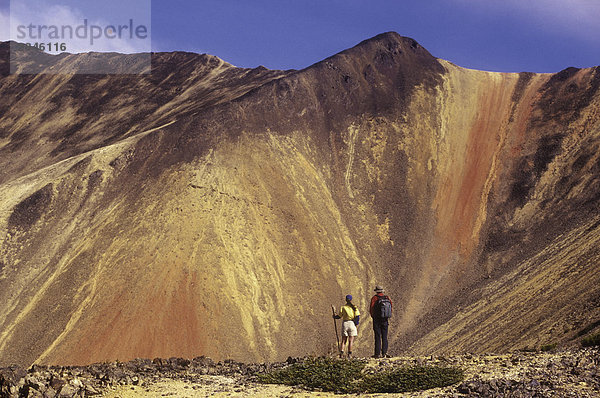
(349, 329)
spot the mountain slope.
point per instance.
(226, 223)
(48, 118)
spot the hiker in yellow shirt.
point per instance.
(350, 317)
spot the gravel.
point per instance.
(572, 373)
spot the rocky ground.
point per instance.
(574, 373)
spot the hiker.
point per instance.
(350, 317)
(381, 311)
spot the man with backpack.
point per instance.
(381, 312)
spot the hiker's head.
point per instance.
(379, 289)
(349, 298)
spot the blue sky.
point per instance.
(496, 35)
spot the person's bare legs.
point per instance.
(344, 339)
(350, 342)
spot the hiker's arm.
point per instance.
(373, 301)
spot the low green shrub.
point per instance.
(318, 373)
(548, 347)
(591, 341)
(412, 378)
(348, 377)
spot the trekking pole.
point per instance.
(336, 332)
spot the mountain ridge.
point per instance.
(258, 195)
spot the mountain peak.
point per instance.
(387, 36)
(392, 41)
(389, 50)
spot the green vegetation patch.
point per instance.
(548, 347)
(591, 341)
(348, 377)
(318, 373)
(411, 378)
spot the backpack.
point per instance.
(383, 307)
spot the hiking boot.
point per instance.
(376, 356)
(386, 356)
(341, 354)
(349, 354)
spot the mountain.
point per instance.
(204, 209)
